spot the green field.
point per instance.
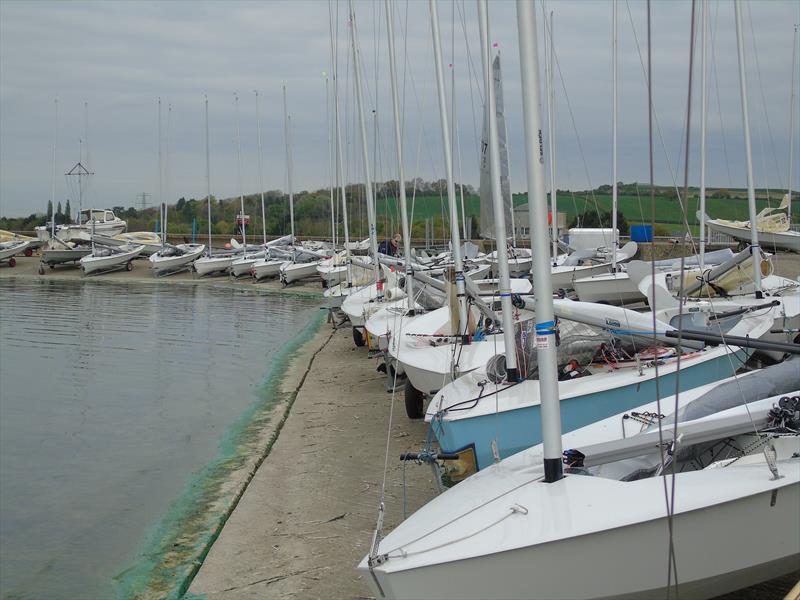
(636, 209)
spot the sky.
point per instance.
(108, 63)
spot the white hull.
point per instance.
(503, 534)
(611, 288)
(165, 264)
(10, 249)
(291, 272)
(242, 266)
(563, 277)
(93, 264)
(768, 240)
(214, 264)
(263, 269)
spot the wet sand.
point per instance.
(29, 267)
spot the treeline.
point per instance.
(312, 211)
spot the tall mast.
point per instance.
(339, 152)
(373, 235)
(288, 137)
(239, 171)
(261, 172)
(614, 61)
(53, 174)
(330, 158)
(791, 125)
(751, 194)
(545, 320)
(398, 143)
(497, 195)
(160, 177)
(448, 163)
(208, 178)
(703, 112)
(166, 169)
(551, 138)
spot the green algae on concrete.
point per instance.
(176, 547)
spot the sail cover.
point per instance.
(487, 230)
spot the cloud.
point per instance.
(121, 56)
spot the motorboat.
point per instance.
(8, 250)
(109, 258)
(101, 221)
(173, 258)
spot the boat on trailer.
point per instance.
(8, 250)
(104, 259)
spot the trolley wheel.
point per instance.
(41, 269)
(414, 402)
(12, 262)
(28, 252)
(52, 267)
(358, 337)
(129, 266)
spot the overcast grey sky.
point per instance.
(121, 56)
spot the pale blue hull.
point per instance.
(518, 429)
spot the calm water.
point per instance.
(111, 396)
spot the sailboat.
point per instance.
(10, 249)
(772, 224)
(526, 527)
(172, 258)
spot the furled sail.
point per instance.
(487, 215)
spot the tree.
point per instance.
(49, 208)
(67, 213)
(59, 215)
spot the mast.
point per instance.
(53, 174)
(791, 125)
(160, 177)
(288, 138)
(551, 115)
(208, 178)
(448, 162)
(261, 173)
(239, 171)
(339, 152)
(373, 239)
(398, 143)
(497, 196)
(751, 194)
(166, 170)
(545, 320)
(330, 159)
(703, 112)
(614, 61)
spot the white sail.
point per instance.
(487, 218)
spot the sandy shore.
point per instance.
(307, 516)
(28, 267)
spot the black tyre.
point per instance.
(129, 266)
(12, 262)
(415, 399)
(29, 252)
(358, 337)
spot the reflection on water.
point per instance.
(111, 396)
